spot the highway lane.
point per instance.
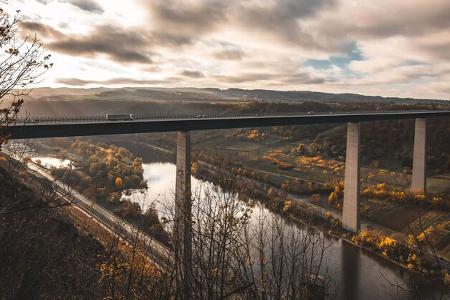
(86, 126)
(156, 251)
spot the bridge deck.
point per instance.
(87, 127)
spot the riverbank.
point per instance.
(416, 258)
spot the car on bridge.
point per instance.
(119, 117)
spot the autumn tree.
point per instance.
(23, 61)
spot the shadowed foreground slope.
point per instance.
(45, 255)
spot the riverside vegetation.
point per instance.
(415, 250)
(52, 251)
(105, 174)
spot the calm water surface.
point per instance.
(48, 161)
(357, 274)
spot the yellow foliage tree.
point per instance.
(287, 205)
(194, 168)
(118, 182)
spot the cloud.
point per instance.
(379, 46)
(303, 78)
(277, 78)
(188, 18)
(436, 46)
(120, 45)
(229, 54)
(87, 5)
(437, 50)
(280, 20)
(73, 81)
(382, 19)
(243, 78)
(192, 74)
(31, 27)
(176, 23)
(195, 19)
(112, 81)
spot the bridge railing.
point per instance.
(162, 116)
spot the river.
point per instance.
(355, 274)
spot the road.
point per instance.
(156, 251)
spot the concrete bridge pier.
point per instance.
(183, 216)
(351, 214)
(418, 178)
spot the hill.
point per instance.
(213, 95)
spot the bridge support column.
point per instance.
(418, 178)
(350, 215)
(183, 216)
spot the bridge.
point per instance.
(44, 127)
(31, 128)
(87, 126)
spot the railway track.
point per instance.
(159, 253)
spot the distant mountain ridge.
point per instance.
(213, 95)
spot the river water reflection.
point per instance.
(48, 161)
(354, 273)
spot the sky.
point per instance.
(384, 47)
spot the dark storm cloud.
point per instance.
(120, 45)
(87, 5)
(192, 74)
